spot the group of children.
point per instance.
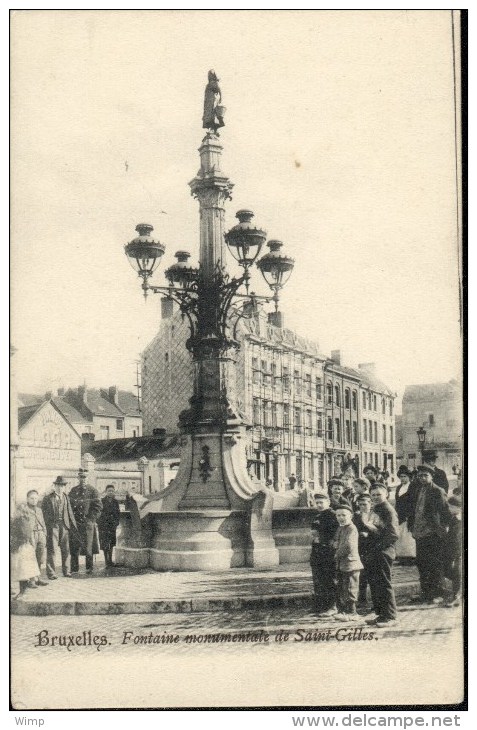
(354, 533)
(353, 536)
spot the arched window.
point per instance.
(337, 395)
(383, 404)
(329, 393)
(355, 400)
(347, 398)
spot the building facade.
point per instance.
(307, 414)
(438, 408)
(48, 445)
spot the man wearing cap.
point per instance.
(428, 519)
(86, 506)
(59, 522)
(439, 477)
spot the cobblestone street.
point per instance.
(415, 661)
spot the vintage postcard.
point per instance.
(236, 356)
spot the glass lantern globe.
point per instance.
(245, 240)
(144, 253)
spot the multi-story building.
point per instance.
(438, 408)
(103, 413)
(307, 414)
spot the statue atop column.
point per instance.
(214, 112)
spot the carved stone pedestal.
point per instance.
(198, 540)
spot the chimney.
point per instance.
(159, 432)
(113, 395)
(368, 367)
(277, 319)
(86, 441)
(336, 356)
(167, 308)
(61, 392)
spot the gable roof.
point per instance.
(131, 449)
(128, 403)
(67, 410)
(98, 405)
(26, 413)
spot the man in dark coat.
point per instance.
(384, 526)
(86, 506)
(439, 477)
(60, 523)
(107, 523)
(428, 517)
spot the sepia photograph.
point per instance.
(236, 357)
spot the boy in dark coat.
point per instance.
(322, 559)
(108, 522)
(384, 525)
(453, 550)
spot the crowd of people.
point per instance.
(355, 533)
(74, 524)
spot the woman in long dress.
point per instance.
(406, 545)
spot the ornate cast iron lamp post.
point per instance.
(421, 435)
(212, 477)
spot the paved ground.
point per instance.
(126, 591)
(148, 661)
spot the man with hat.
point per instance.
(428, 519)
(86, 506)
(439, 477)
(59, 523)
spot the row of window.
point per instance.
(370, 432)
(333, 394)
(272, 417)
(370, 403)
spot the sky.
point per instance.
(339, 136)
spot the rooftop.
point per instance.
(432, 391)
(131, 449)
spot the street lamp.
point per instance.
(212, 476)
(421, 435)
(212, 301)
